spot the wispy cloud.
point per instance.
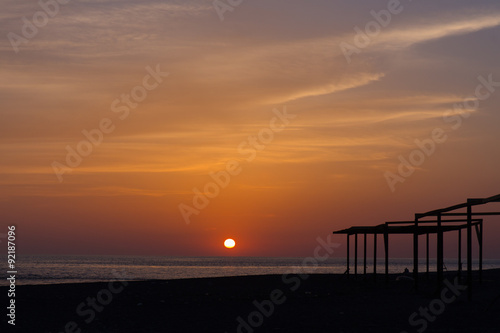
(427, 31)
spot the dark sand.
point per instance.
(321, 303)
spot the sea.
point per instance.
(32, 270)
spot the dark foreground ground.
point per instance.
(318, 303)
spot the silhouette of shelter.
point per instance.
(438, 221)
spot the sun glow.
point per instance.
(229, 243)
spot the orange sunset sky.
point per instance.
(357, 100)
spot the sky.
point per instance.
(164, 127)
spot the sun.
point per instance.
(229, 243)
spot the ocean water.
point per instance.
(77, 269)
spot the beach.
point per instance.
(271, 303)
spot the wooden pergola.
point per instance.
(436, 222)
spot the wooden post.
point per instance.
(348, 256)
(415, 253)
(375, 256)
(479, 233)
(459, 253)
(427, 255)
(469, 249)
(440, 253)
(386, 246)
(356, 255)
(364, 256)
(481, 251)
